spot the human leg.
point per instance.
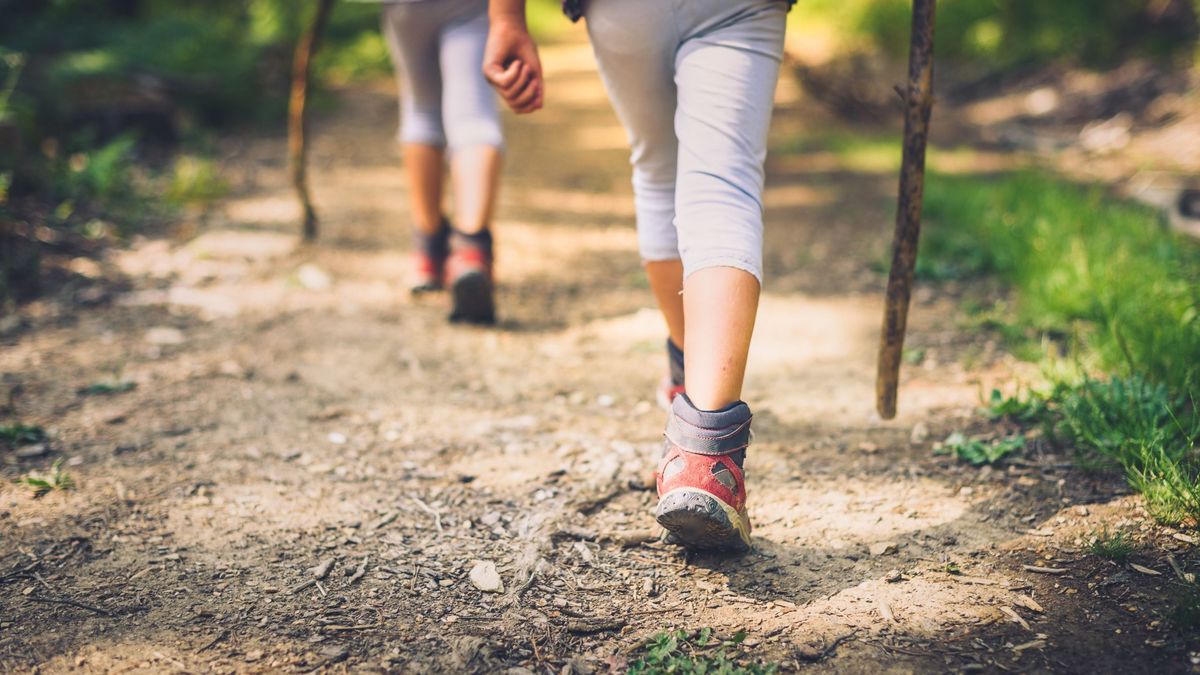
(473, 130)
(725, 74)
(471, 119)
(407, 29)
(636, 65)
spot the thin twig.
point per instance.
(21, 571)
(335, 628)
(1043, 570)
(589, 506)
(359, 572)
(1183, 576)
(302, 586)
(598, 625)
(525, 586)
(72, 603)
(220, 636)
(437, 517)
(813, 657)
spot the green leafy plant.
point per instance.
(16, 433)
(978, 452)
(42, 484)
(1030, 408)
(1115, 546)
(695, 653)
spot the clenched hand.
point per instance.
(511, 65)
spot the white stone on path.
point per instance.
(485, 577)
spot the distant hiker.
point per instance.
(445, 103)
(693, 83)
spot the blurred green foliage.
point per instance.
(107, 107)
(1103, 273)
(219, 61)
(1002, 34)
(1107, 281)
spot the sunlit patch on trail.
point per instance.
(272, 208)
(857, 511)
(923, 606)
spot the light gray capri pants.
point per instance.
(437, 48)
(693, 82)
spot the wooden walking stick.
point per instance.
(918, 101)
(298, 115)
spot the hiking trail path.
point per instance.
(293, 406)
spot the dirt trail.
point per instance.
(295, 407)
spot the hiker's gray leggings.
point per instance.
(693, 83)
(437, 48)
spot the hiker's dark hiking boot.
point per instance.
(429, 255)
(469, 272)
(701, 484)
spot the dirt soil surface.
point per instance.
(311, 464)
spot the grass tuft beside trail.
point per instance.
(699, 652)
(1102, 281)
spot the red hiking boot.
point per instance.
(469, 271)
(701, 484)
(429, 259)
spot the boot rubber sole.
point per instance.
(472, 298)
(701, 521)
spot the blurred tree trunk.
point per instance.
(298, 114)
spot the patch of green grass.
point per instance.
(1169, 479)
(1123, 424)
(42, 484)
(1115, 546)
(16, 433)
(1029, 408)
(1100, 275)
(1115, 420)
(978, 452)
(1104, 287)
(695, 653)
